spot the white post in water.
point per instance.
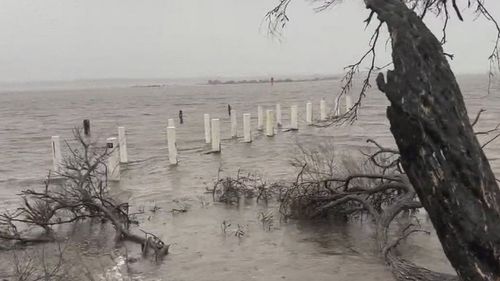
(234, 124)
(322, 110)
(122, 140)
(348, 102)
(216, 135)
(56, 154)
(269, 123)
(113, 159)
(309, 113)
(172, 146)
(206, 118)
(247, 131)
(278, 116)
(171, 123)
(294, 121)
(260, 118)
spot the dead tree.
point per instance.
(378, 189)
(83, 194)
(439, 151)
(230, 190)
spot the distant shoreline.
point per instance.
(149, 86)
(266, 81)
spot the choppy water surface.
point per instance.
(200, 250)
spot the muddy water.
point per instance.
(201, 250)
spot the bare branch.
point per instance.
(477, 117)
(82, 195)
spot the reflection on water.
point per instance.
(200, 250)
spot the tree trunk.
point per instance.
(439, 151)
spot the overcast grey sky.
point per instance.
(88, 39)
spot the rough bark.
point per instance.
(439, 151)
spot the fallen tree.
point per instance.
(78, 192)
(378, 189)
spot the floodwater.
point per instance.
(200, 249)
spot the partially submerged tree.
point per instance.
(438, 148)
(80, 193)
(375, 188)
(372, 188)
